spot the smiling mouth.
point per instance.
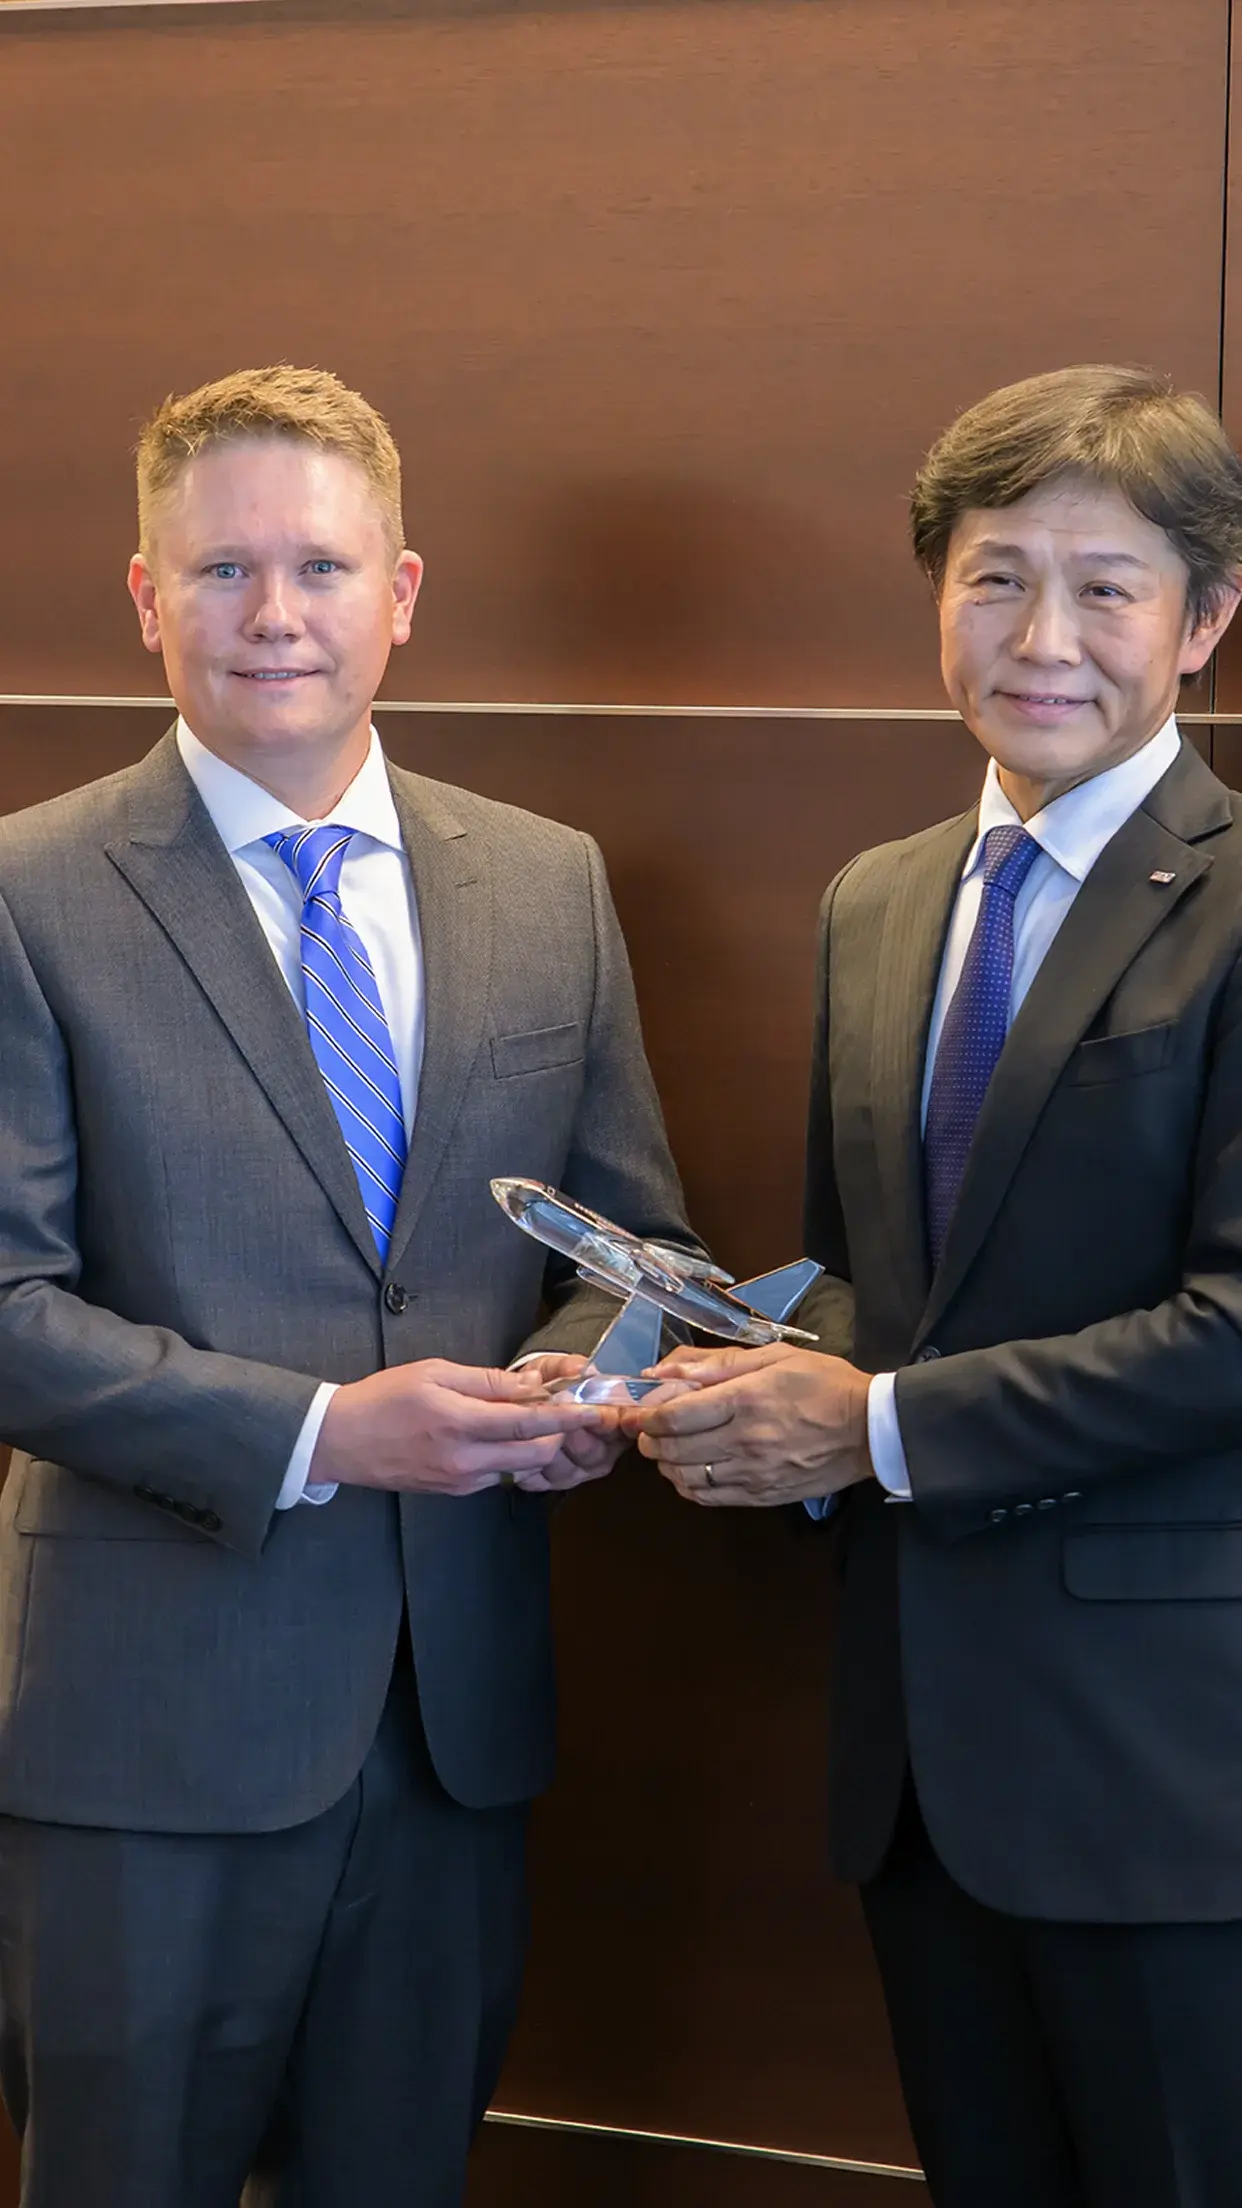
(1042, 697)
(274, 674)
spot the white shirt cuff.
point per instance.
(294, 1488)
(884, 1440)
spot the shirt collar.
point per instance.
(243, 813)
(1074, 829)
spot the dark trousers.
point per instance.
(321, 2011)
(1058, 2065)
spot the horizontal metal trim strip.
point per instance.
(45, 7)
(715, 2146)
(633, 712)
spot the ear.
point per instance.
(141, 584)
(1203, 639)
(405, 587)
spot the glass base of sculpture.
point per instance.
(617, 1388)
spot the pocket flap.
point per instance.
(540, 1047)
(52, 1501)
(1117, 1057)
(1154, 1563)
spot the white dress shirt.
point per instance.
(1071, 834)
(377, 893)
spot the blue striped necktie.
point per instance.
(974, 1030)
(346, 1024)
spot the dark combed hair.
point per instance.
(1124, 429)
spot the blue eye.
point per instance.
(323, 567)
(225, 571)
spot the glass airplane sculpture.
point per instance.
(656, 1283)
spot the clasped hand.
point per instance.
(759, 1427)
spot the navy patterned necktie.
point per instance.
(346, 1024)
(974, 1030)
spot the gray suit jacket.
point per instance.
(184, 1256)
(1052, 1630)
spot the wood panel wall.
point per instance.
(664, 302)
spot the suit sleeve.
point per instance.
(829, 1308)
(204, 1435)
(619, 1162)
(1054, 1419)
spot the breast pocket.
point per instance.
(536, 1051)
(1122, 1057)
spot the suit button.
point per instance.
(997, 1515)
(1047, 1502)
(395, 1298)
(1074, 1496)
(927, 1355)
(1023, 1510)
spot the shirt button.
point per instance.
(1047, 1502)
(997, 1515)
(1023, 1510)
(395, 1298)
(210, 1521)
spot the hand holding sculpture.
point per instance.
(760, 1427)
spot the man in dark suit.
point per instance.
(1025, 1182)
(275, 1663)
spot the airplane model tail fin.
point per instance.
(772, 1295)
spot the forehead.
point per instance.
(1064, 522)
(268, 491)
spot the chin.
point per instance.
(280, 723)
(1040, 755)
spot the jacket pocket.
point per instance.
(1120, 1057)
(52, 1502)
(1154, 1563)
(535, 1051)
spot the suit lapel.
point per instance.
(1117, 909)
(175, 862)
(453, 894)
(911, 950)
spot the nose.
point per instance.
(1048, 630)
(275, 610)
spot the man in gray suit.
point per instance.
(1025, 1182)
(275, 1669)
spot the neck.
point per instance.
(1028, 797)
(1029, 794)
(310, 781)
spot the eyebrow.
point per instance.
(215, 552)
(992, 549)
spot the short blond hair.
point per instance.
(307, 404)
